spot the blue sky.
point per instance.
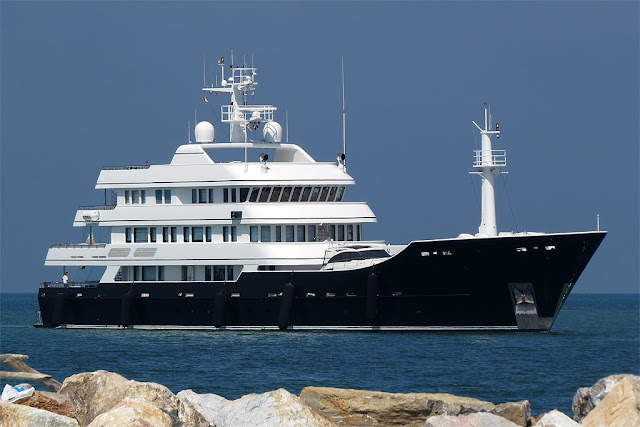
(89, 84)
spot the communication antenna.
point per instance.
(344, 116)
(195, 118)
(189, 130)
(286, 121)
(231, 58)
(204, 71)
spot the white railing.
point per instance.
(246, 111)
(494, 158)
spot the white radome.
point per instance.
(205, 132)
(272, 132)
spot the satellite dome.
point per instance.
(272, 132)
(205, 132)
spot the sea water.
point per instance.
(594, 336)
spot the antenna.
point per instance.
(344, 117)
(231, 58)
(195, 118)
(286, 121)
(252, 60)
(189, 127)
(204, 71)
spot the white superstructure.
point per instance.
(199, 218)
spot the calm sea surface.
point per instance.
(594, 336)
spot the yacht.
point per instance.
(268, 241)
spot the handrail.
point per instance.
(71, 284)
(98, 207)
(79, 245)
(125, 167)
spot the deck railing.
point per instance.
(71, 284)
(118, 168)
(79, 245)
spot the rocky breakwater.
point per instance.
(101, 398)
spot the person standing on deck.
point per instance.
(65, 279)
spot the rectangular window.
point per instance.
(165, 234)
(311, 233)
(135, 196)
(340, 194)
(296, 194)
(300, 233)
(140, 234)
(225, 233)
(234, 233)
(332, 232)
(174, 234)
(324, 194)
(315, 194)
(253, 233)
(218, 273)
(194, 195)
(332, 194)
(143, 196)
(167, 196)
(265, 233)
(148, 273)
(152, 234)
(278, 233)
(185, 234)
(254, 194)
(196, 234)
(234, 194)
(275, 194)
(126, 197)
(127, 234)
(286, 192)
(350, 232)
(244, 193)
(158, 197)
(341, 232)
(211, 195)
(207, 233)
(136, 273)
(289, 233)
(207, 273)
(264, 195)
(225, 195)
(185, 275)
(305, 194)
(229, 272)
(161, 272)
(202, 195)
(358, 232)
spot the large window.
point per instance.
(265, 233)
(135, 196)
(152, 234)
(341, 232)
(278, 233)
(140, 234)
(253, 233)
(286, 193)
(158, 197)
(300, 233)
(185, 234)
(149, 273)
(289, 233)
(167, 196)
(127, 234)
(197, 234)
(244, 193)
(312, 233)
(264, 195)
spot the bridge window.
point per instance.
(140, 234)
(286, 193)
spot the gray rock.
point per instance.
(619, 408)
(208, 404)
(15, 415)
(555, 418)
(479, 419)
(587, 398)
(94, 393)
(131, 412)
(274, 408)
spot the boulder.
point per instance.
(52, 402)
(555, 418)
(587, 398)
(274, 408)
(621, 407)
(94, 393)
(12, 414)
(370, 408)
(131, 412)
(207, 404)
(516, 412)
(478, 419)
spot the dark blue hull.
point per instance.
(515, 282)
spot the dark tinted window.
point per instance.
(315, 193)
(305, 194)
(264, 196)
(286, 192)
(244, 192)
(332, 194)
(324, 194)
(275, 194)
(296, 194)
(254, 194)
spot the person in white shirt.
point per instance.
(65, 279)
